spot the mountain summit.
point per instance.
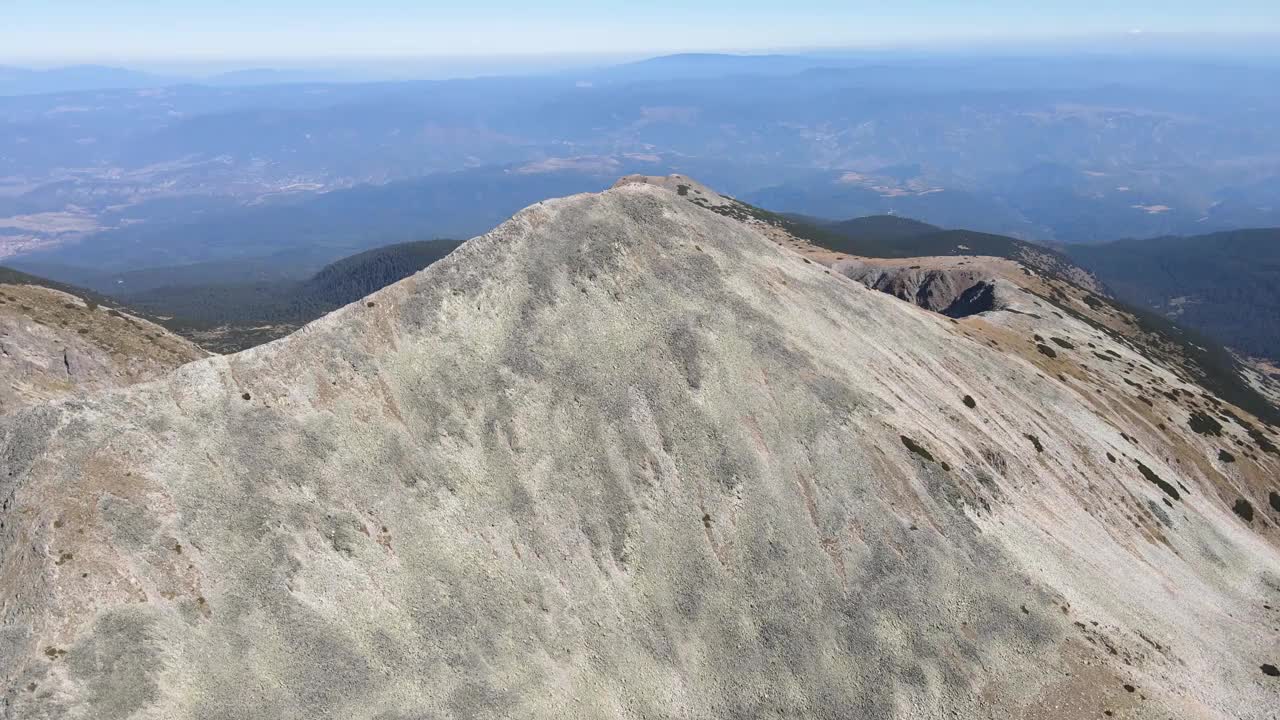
(631, 456)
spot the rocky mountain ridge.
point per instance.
(625, 456)
(53, 344)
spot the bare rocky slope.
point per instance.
(628, 457)
(53, 344)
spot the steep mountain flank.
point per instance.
(898, 242)
(944, 269)
(53, 344)
(954, 291)
(627, 457)
(889, 236)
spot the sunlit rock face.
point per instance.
(627, 457)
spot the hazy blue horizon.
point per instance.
(1251, 49)
(136, 32)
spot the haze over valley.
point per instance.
(1053, 149)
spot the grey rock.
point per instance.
(621, 457)
(53, 345)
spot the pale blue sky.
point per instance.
(123, 30)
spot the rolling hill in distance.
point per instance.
(1223, 284)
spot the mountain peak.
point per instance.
(681, 185)
(626, 455)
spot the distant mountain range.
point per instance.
(263, 181)
(77, 78)
(24, 81)
(309, 230)
(1041, 148)
(1226, 285)
(80, 78)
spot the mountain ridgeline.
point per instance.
(9, 276)
(639, 454)
(1203, 357)
(891, 236)
(57, 340)
(256, 300)
(230, 315)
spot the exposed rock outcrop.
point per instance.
(683, 186)
(53, 344)
(625, 457)
(954, 291)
